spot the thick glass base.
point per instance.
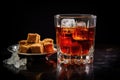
(71, 60)
(75, 72)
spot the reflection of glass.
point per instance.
(75, 36)
(85, 72)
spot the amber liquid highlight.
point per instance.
(75, 41)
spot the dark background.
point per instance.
(22, 17)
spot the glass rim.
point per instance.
(75, 16)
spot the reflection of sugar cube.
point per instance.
(68, 23)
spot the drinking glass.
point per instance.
(75, 38)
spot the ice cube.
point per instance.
(14, 57)
(17, 64)
(20, 62)
(23, 61)
(15, 60)
(68, 23)
(81, 23)
(9, 61)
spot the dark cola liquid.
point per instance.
(75, 41)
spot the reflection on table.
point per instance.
(42, 69)
(106, 66)
(75, 72)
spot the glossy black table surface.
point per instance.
(106, 66)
